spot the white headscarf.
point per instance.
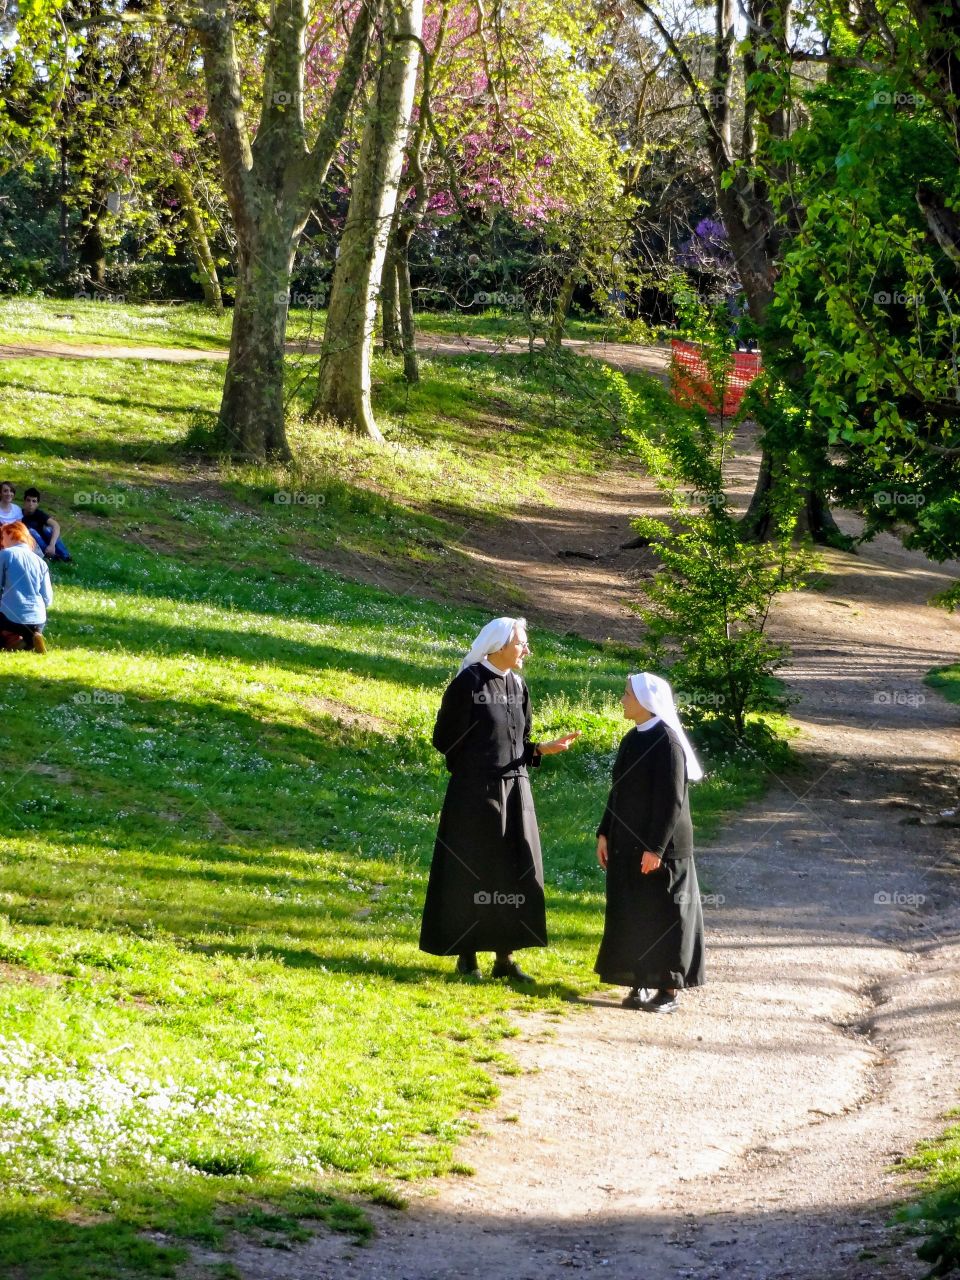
(654, 693)
(494, 636)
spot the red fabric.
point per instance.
(690, 380)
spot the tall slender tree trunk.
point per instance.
(271, 183)
(408, 323)
(91, 250)
(343, 390)
(561, 309)
(390, 340)
(198, 241)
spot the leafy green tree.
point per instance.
(870, 299)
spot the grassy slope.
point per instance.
(219, 805)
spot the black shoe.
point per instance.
(510, 969)
(662, 1002)
(636, 997)
(467, 965)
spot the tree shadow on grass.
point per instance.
(40, 1245)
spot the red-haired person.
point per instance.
(25, 589)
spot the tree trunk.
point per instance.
(199, 244)
(561, 309)
(270, 184)
(390, 340)
(343, 390)
(92, 251)
(408, 326)
(251, 411)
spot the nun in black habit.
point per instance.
(486, 881)
(653, 929)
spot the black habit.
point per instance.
(653, 929)
(486, 880)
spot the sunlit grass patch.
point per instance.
(220, 801)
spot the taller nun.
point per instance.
(486, 881)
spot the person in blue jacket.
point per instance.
(25, 589)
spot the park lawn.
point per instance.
(87, 321)
(108, 442)
(219, 806)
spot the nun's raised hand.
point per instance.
(555, 745)
(650, 862)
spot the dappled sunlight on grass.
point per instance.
(220, 800)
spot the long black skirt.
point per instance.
(653, 928)
(486, 881)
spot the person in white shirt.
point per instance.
(9, 511)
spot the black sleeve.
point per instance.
(667, 782)
(454, 718)
(531, 750)
(607, 820)
(604, 827)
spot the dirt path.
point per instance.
(753, 1134)
(624, 356)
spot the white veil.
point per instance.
(654, 693)
(493, 637)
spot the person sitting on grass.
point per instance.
(45, 530)
(9, 510)
(25, 589)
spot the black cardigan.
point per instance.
(484, 724)
(648, 808)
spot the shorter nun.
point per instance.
(653, 928)
(486, 880)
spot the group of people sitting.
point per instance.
(29, 538)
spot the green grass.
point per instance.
(946, 681)
(219, 802)
(936, 1214)
(82, 321)
(85, 320)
